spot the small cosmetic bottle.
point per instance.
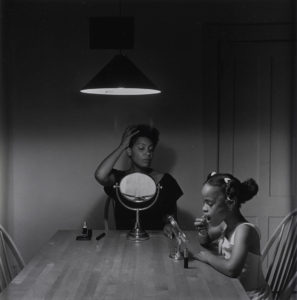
(186, 258)
(85, 229)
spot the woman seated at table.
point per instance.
(139, 143)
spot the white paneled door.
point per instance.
(253, 130)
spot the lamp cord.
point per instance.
(120, 23)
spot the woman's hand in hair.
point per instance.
(128, 133)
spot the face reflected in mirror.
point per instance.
(138, 187)
(142, 152)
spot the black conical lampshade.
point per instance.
(120, 77)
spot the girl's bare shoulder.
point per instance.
(249, 235)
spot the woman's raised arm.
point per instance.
(103, 173)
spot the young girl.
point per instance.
(239, 240)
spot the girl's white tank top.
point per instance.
(251, 276)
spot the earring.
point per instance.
(129, 161)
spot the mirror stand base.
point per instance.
(176, 255)
(137, 234)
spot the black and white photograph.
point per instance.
(148, 149)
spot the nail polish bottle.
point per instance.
(186, 258)
(85, 229)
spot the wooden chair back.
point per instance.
(106, 212)
(9, 254)
(282, 252)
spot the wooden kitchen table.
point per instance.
(115, 268)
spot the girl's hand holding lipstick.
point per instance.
(202, 225)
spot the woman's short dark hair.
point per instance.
(232, 187)
(147, 131)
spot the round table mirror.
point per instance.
(137, 192)
(138, 187)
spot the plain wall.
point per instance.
(4, 115)
(58, 136)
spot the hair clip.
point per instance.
(227, 180)
(213, 173)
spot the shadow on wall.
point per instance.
(164, 159)
(96, 216)
(185, 219)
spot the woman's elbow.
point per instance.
(99, 178)
(103, 179)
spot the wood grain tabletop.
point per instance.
(114, 268)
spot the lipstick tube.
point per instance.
(186, 258)
(85, 229)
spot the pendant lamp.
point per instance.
(120, 77)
